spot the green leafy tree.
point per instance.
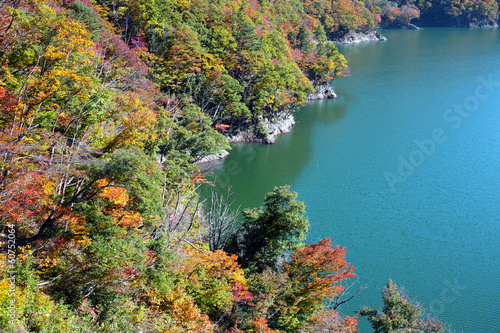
(269, 233)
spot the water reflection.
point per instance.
(252, 169)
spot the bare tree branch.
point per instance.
(220, 220)
(345, 296)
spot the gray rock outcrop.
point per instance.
(213, 157)
(360, 37)
(483, 25)
(268, 130)
(323, 91)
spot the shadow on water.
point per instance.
(252, 170)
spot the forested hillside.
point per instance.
(106, 106)
(455, 13)
(238, 61)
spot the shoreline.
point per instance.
(283, 123)
(360, 37)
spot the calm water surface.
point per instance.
(403, 169)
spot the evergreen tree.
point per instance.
(400, 315)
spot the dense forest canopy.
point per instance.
(461, 13)
(105, 108)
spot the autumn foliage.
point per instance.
(105, 109)
(318, 269)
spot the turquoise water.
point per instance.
(403, 169)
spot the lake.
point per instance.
(403, 169)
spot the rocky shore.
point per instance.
(324, 91)
(360, 37)
(213, 157)
(267, 131)
(483, 25)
